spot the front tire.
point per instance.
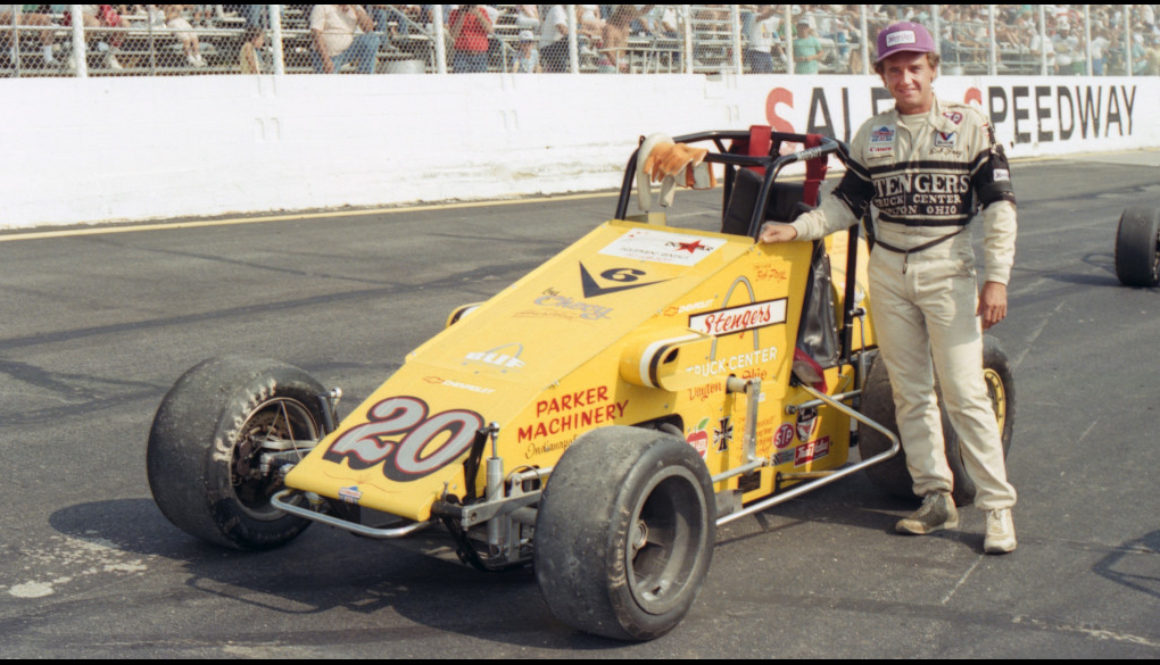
(624, 533)
(892, 476)
(205, 443)
(1138, 247)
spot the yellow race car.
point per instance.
(598, 418)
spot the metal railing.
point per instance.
(156, 40)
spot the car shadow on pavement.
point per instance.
(853, 502)
(1133, 565)
(327, 570)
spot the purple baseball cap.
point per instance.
(904, 37)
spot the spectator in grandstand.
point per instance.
(332, 28)
(589, 23)
(1147, 15)
(554, 40)
(249, 58)
(526, 59)
(1008, 31)
(94, 18)
(916, 13)
(1044, 45)
(470, 27)
(877, 18)
(394, 21)
(759, 28)
(1023, 31)
(386, 20)
(1139, 55)
(661, 21)
(38, 19)
(1066, 51)
(965, 39)
(615, 36)
(256, 18)
(713, 21)
(1153, 56)
(175, 20)
(1115, 52)
(834, 25)
(807, 49)
(528, 17)
(1099, 48)
(854, 64)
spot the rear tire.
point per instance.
(202, 457)
(1138, 247)
(624, 533)
(892, 476)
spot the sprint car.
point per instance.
(1138, 247)
(598, 419)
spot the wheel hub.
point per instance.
(639, 536)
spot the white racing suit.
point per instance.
(927, 175)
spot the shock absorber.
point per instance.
(495, 526)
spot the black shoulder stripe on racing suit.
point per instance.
(856, 192)
(992, 181)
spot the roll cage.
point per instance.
(753, 163)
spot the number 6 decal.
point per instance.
(368, 444)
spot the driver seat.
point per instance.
(786, 201)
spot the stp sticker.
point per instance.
(784, 437)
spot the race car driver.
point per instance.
(927, 165)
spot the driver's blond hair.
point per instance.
(931, 58)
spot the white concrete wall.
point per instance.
(103, 149)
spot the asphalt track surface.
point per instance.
(95, 328)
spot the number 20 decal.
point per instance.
(407, 458)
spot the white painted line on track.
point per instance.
(232, 221)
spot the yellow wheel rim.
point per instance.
(998, 394)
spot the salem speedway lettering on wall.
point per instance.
(1030, 115)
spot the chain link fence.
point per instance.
(153, 40)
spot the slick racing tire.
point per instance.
(1138, 247)
(205, 444)
(625, 532)
(892, 475)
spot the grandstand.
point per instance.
(42, 40)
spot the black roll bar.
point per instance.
(772, 166)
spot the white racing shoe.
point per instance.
(1000, 538)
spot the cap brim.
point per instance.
(896, 51)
